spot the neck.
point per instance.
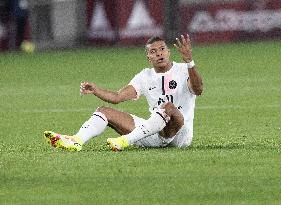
(163, 69)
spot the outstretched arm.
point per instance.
(195, 81)
(126, 93)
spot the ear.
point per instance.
(169, 51)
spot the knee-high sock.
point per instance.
(154, 124)
(92, 127)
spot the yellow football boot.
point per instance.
(69, 143)
(117, 144)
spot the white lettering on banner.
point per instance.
(231, 20)
(100, 26)
(140, 23)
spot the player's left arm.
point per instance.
(194, 82)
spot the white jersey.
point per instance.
(170, 86)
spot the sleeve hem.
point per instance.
(137, 90)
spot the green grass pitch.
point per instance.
(235, 157)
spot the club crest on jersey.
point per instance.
(172, 84)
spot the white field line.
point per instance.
(206, 107)
(56, 110)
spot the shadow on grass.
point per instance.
(207, 146)
(225, 146)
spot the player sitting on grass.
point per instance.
(170, 89)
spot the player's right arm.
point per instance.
(126, 93)
(195, 80)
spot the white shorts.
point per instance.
(183, 138)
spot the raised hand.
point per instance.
(184, 47)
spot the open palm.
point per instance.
(184, 47)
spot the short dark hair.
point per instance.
(152, 40)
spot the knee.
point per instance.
(102, 109)
(173, 112)
(170, 108)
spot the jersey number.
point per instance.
(169, 98)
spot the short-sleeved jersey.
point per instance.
(170, 86)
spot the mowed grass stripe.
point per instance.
(223, 107)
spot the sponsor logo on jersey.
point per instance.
(151, 88)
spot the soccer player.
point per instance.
(170, 89)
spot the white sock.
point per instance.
(154, 124)
(92, 127)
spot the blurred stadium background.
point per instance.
(76, 23)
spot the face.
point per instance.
(158, 54)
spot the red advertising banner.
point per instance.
(124, 21)
(101, 21)
(236, 21)
(139, 20)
